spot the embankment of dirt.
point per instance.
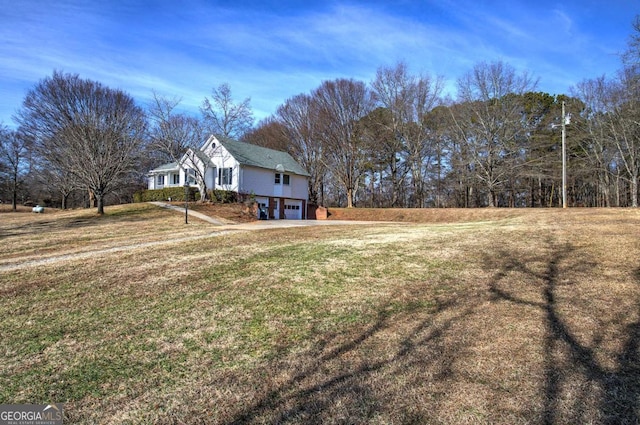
(424, 215)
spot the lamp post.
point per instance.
(186, 201)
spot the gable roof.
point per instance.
(166, 167)
(257, 156)
(202, 156)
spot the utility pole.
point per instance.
(566, 120)
(564, 160)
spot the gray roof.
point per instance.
(203, 157)
(166, 167)
(257, 156)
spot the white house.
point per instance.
(278, 183)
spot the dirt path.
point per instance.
(97, 252)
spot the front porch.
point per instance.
(167, 175)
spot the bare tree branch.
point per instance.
(85, 129)
(223, 117)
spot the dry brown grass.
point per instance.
(424, 215)
(27, 236)
(530, 318)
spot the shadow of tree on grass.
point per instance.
(574, 370)
(443, 362)
(340, 376)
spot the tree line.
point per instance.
(393, 142)
(397, 142)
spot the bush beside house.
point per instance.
(177, 194)
(166, 194)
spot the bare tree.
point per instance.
(625, 112)
(409, 98)
(490, 121)
(14, 148)
(420, 139)
(341, 105)
(631, 57)
(596, 144)
(438, 121)
(269, 133)
(178, 137)
(390, 89)
(387, 171)
(223, 117)
(461, 176)
(624, 126)
(60, 181)
(172, 133)
(85, 129)
(299, 116)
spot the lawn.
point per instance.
(522, 316)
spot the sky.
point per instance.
(270, 51)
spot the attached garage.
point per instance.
(278, 208)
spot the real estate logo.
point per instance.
(31, 414)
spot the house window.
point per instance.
(175, 178)
(160, 180)
(277, 181)
(285, 179)
(225, 176)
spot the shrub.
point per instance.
(166, 193)
(223, 196)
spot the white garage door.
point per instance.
(292, 209)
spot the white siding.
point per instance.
(221, 159)
(299, 187)
(261, 183)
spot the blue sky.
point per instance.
(272, 50)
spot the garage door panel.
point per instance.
(293, 210)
